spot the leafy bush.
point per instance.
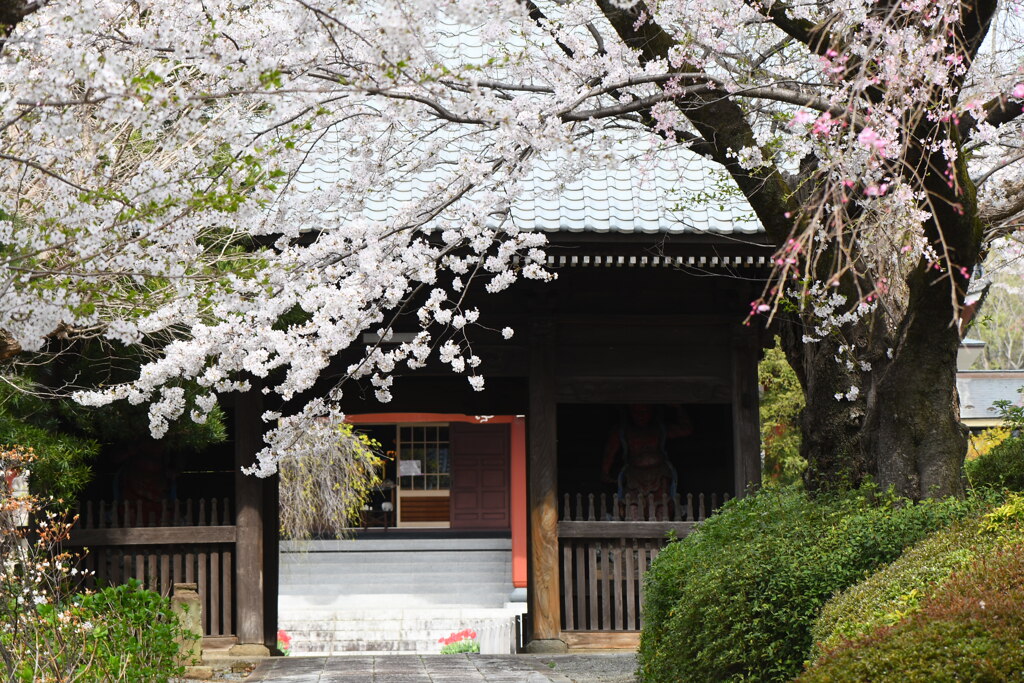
(897, 590)
(981, 443)
(136, 634)
(737, 598)
(1002, 467)
(50, 633)
(971, 629)
(120, 633)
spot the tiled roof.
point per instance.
(980, 389)
(674, 196)
(675, 192)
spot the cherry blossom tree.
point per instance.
(204, 179)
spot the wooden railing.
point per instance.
(607, 545)
(160, 544)
(689, 507)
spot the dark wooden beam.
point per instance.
(746, 428)
(271, 558)
(249, 555)
(627, 530)
(152, 535)
(545, 609)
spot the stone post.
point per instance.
(186, 605)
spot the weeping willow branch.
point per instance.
(323, 489)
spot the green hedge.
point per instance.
(893, 592)
(970, 629)
(898, 589)
(1000, 468)
(119, 633)
(736, 600)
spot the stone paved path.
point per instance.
(446, 669)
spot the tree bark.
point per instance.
(913, 422)
(9, 347)
(830, 427)
(903, 429)
(12, 13)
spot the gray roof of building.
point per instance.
(673, 191)
(678, 194)
(980, 389)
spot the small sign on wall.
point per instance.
(409, 468)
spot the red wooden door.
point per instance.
(480, 476)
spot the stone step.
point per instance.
(302, 604)
(495, 636)
(403, 545)
(399, 613)
(341, 569)
(396, 595)
(357, 589)
(342, 577)
(357, 585)
(384, 625)
(397, 569)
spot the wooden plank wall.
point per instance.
(607, 546)
(160, 544)
(424, 509)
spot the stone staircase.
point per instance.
(396, 595)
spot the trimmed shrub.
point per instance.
(970, 629)
(893, 592)
(898, 590)
(736, 599)
(1000, 468)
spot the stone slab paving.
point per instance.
(582, 668)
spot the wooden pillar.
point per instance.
(271, 557)
(746, 429)
(545, 611)
(249, 555)
(517, 503)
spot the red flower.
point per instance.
(458, 636)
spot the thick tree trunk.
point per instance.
(830, 427)
(913, 423)
(914, 427)
(902, 428)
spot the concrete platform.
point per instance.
(592, 668)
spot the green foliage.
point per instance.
(48, 632)
(781, 404)
(125, 633)
(136, 632)
(897, 590)
(121, 421)
(1012, 415)
(1001, 323)
(1007, 519)
(61, 467)
(66, 437)
(460, 647)
(736, 599)
(106, 364)
(1001, 468)
(970, 629)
